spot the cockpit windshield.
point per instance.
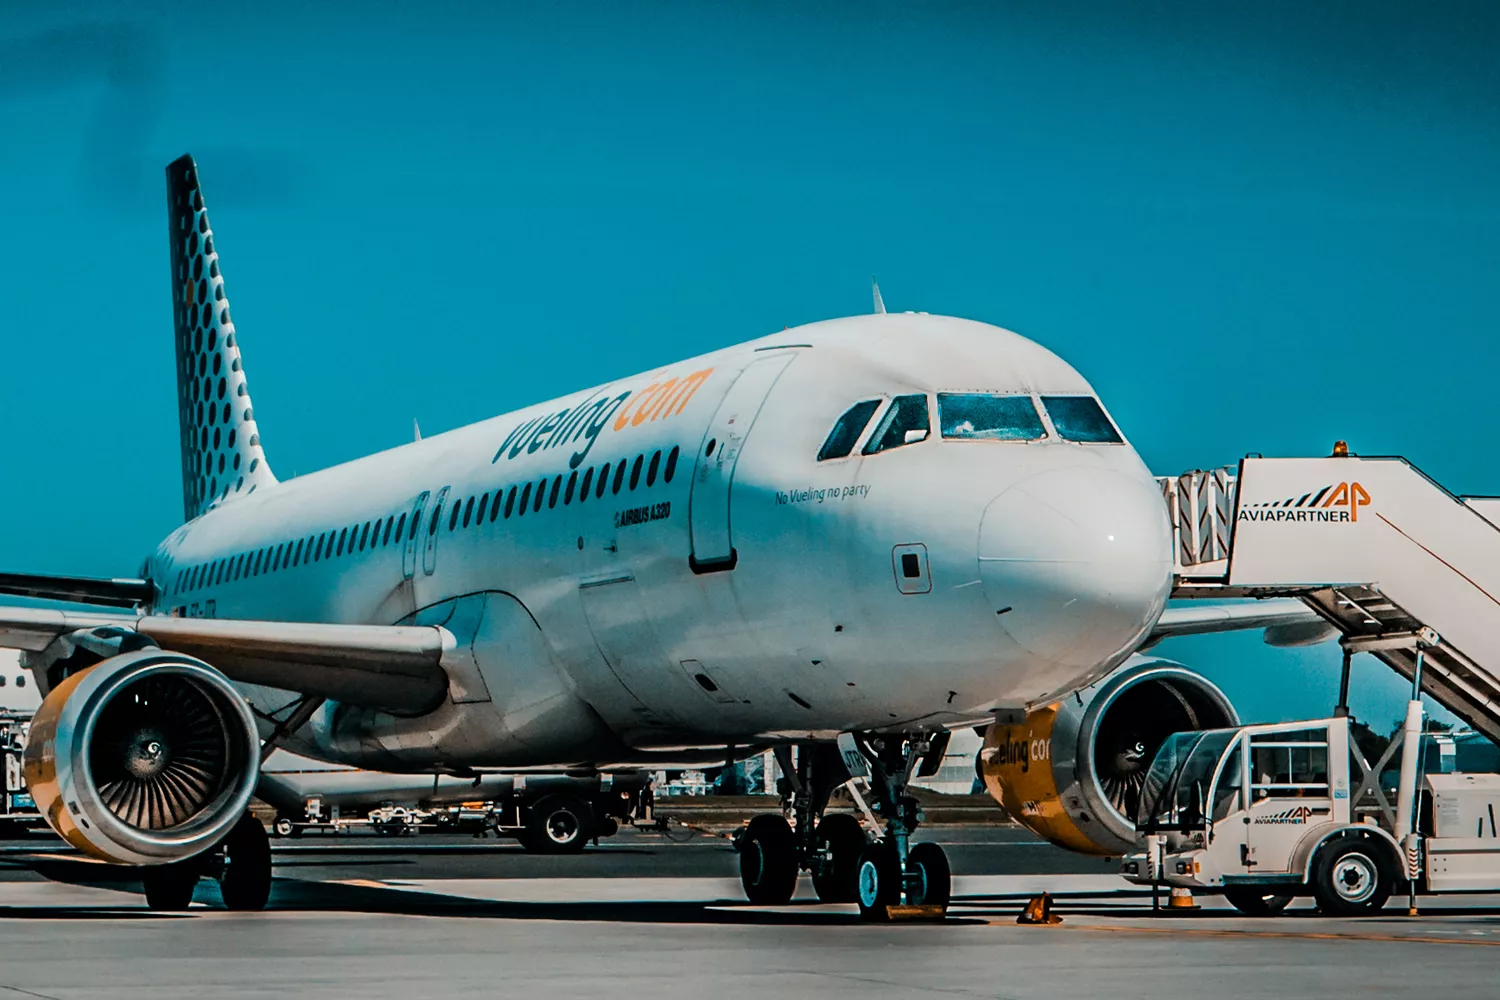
(1175, 793)
(905, 422)
(1081, 419)
(845, 433)
(983, 417)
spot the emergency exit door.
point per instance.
(709, 515)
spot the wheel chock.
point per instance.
(1039, 911)
(1182, 899)
(916, 912)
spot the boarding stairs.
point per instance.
(1384, 554)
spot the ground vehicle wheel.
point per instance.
(768, 861)
(558, 824)
(245, 882)
(879, 881)
(170, 887)
(283, 826)
(836, 848)
(1348, 878)
(1255, 901)
(934, 884)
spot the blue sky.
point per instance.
(1253, 230)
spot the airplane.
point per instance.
(840, 541)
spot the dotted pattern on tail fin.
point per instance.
(222, 455)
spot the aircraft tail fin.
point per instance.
(222, 456)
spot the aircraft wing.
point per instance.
(112, 593)
(392, 667)
(1287, 621)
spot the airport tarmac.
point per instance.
(645, 916)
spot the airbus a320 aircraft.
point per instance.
(843, 539)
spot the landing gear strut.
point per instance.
(890, 873)
(241, 864)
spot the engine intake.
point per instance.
(1072, 771)
(145, 758)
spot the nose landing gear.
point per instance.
(890, 877)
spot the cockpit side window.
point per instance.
(905, 422)
(845, 433)
(981, 417)
(1081, 418)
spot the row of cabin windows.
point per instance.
(971, 416)
(381, 533)
(611, 477)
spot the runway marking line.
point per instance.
(363, 883)
(1304, 935)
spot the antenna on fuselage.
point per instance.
(416, 430)
(879, 302)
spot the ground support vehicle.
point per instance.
(1266, 813)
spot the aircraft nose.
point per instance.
(1082, 558)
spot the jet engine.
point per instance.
(1072, 771)
(145, 758)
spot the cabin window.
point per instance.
(364, 536)
(635, 471)
(525, 501)
(972, 416)
(468, 511)
(671, 468)
(843, 437)
(556, 485)
(905, 422)
(484, 501)
(619, 476)
(603, 481)
(510, 501)
(572, 487)
(588, 481)
(651, 469)
(541, 495)
(1082, 419)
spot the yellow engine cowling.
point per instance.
(1071, 771)
(145, 758)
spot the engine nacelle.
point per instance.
(145, 758)
(1072, 771)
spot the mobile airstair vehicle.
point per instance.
(1402, 569)
(1265, 813)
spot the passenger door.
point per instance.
(409, 542)
(708, 506)
(434, 525)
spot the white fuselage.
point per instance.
(755, 592)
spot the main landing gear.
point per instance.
(241, 864)
(884, 877)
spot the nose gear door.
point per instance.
(708, 506)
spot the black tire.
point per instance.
(557, 824)
(1349, 877)
(284, 826)
(879, 881)
(934, 884)
(1256, 901)
(245, 882)
(768, 861)
(170, 887)
(839, 841)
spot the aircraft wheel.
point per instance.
(836, 849)
(170, 887)
(932, 881)
(1255, 901)
(879, 881)
(1348, 880)
(768, 861)
(558, 824)
(245, 883)
(284, 826)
